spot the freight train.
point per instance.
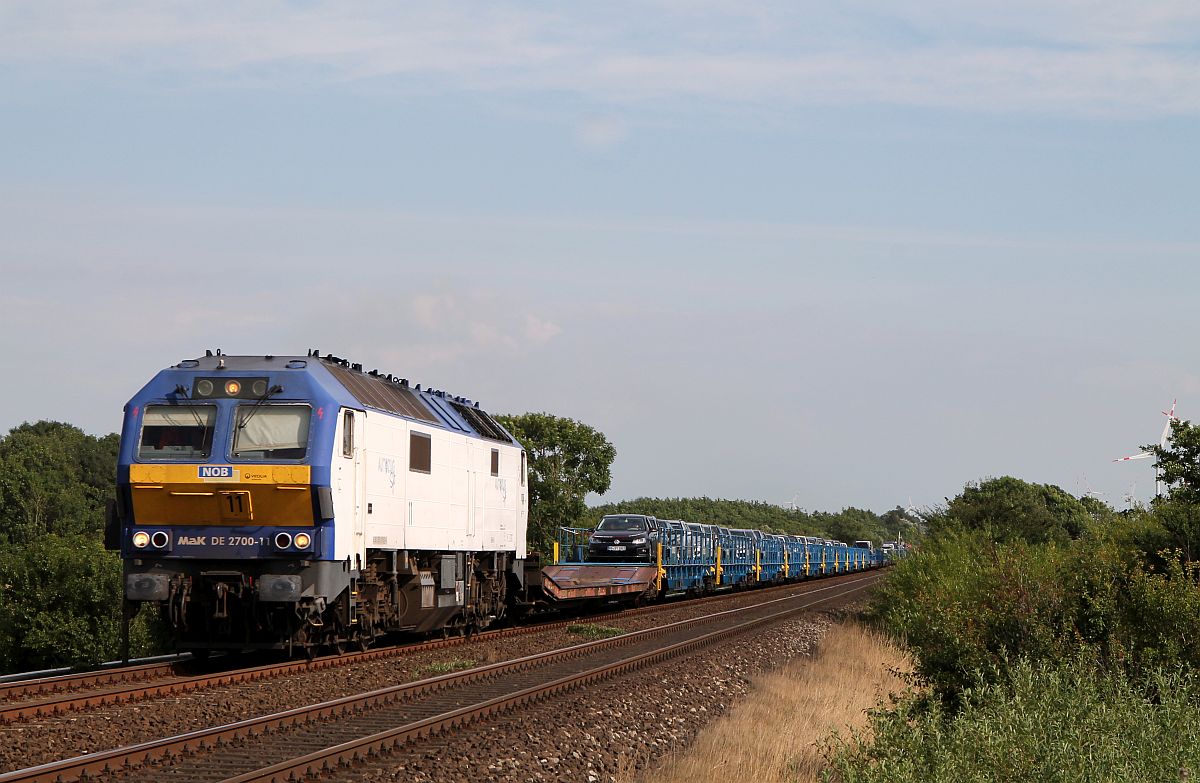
(300, 503)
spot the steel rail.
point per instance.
(39, 686)
(105, 762)
(107, 685)
(66, 672)
(329, 759)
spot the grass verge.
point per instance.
(778, 731)
(445, 667)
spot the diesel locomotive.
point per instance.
(300, 503)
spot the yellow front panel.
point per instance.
(234, 495)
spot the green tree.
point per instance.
(567, 460)
(1178, 466)
(60, 591)
(1008, 508)
(903, 523)
(54, 478)
(852, 524)
(1178, 462)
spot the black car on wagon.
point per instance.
(625, 538)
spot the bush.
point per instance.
(1046, 721)
(966, 604)
(60, 605)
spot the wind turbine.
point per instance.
(1130, 497)
(1162, 442)
(1089, 492)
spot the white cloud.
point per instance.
(442, 328)
(539, 331)
(1068, 56)
(601, 132)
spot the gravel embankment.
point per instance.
(38, 742)
(604, 734)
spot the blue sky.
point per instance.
(845, 253)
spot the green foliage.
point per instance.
(1060, 641)
(594, 630)
(54, 478)
(1178, 466)
(1008, 508)
(980, 595)
(567, 460)
(1048, 721)
(446, 667)
(964, 603)
(1180, 519)
(1160, 616)
(60, 591)
(60, 599)
(1179, 462)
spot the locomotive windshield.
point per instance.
(183, 432)
(271, 431)
(622, 524)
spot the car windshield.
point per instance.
(177, 432)
(622, 524)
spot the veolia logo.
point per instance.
(215, 471)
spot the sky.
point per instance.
(829, 254)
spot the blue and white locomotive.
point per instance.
(297, 502)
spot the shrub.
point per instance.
(966, 604)
(1045, 721)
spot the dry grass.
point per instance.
(776, 732)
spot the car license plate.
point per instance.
(620, 548)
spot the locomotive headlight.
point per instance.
(204, 387)
(302, 540)
(232, 388)
(259, 388)
(283, 540)
(160, 539)
(141, 539)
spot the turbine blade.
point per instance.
(1142, 455)
(1162, 441)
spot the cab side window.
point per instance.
(348, 433)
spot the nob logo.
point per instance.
(215, 471)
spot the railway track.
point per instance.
(59, 695)
(297, 743)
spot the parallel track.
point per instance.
(352, 728)
(44, 697)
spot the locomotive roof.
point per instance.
(381, 391)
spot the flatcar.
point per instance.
(299, 502)
(602, 565)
